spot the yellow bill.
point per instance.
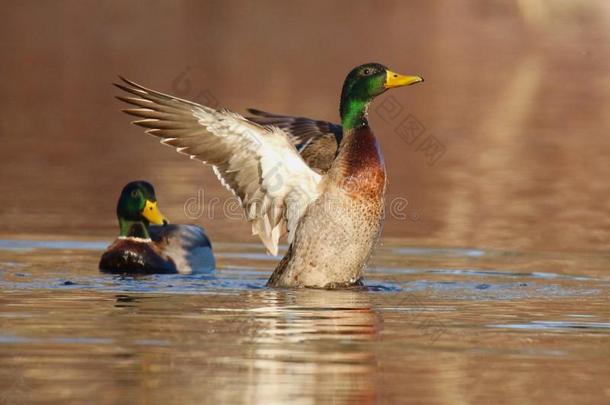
(395, 80)
(152, 213)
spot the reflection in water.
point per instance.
(293, 334)
(284, 337)
(435, 325)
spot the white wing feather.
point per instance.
(257, 163)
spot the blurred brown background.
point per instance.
(517, 93)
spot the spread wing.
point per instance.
(317, 141)
(258, 163)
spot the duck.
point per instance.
(148, 243)
(319, 184)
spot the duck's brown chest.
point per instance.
(127, 256)
(360, 166)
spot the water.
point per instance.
(430, 325)
(492, 281)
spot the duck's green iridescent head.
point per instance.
(137, 208)
(364, 83)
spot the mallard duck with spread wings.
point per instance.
(321, 184)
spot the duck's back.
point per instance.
(187, 245)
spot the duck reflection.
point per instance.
(313, 345)
(259, 346)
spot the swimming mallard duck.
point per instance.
(321, 183)
(142, 248)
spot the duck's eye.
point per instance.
(366, 71)
(134, 193)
